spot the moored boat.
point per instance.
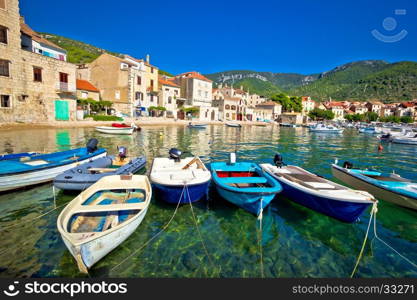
(325, 128)
(408, 140)
(230, 124)
(103, 216)
(81, 177)
(318, 193)
(197, 126)
(388, 187)
(35, 169)
(244, 184)
(115, 130)
(177, 179)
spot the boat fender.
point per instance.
(347, 165)
(92, 145)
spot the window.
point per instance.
(3, 34)
(117, 95)
(4, 68)
(169, 100)
(152, 83)
(151, 98)
(206, 94)
(63, 77)
(84, 95)
(233, 107)
(227, 106)
(37, 74)
(139, 80)
(152, 70)
(5, 101)
(176, 92)
(3, 4)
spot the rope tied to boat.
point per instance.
(260, 234)
(199, 232)
(156, 235)
(374, 211)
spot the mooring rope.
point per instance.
(373, 215)
(198, 230)
(157, 234)
(260, 217)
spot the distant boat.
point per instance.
(197, 126)
(287, 125)
(115, 130)
(370, 130)
(325, 128)
(388, 187)
(81, 177)
(244, 184)
(409, 139)
(170, 175)
(318, 193)
(103, 216)
(237, 125)
(35, 169)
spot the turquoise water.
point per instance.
(296, 242)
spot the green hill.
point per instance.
(260, 87)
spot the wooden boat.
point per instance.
(244, 184)
(115, 130)
(318, 193)
(388, 187)
(169, 175)
(35, 169)
(197, 126)
(103, 216)
(230, 124)
(325, 128)
(81, 177)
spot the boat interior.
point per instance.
(102, 220)
(243, 179)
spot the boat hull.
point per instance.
(16, 181)
(172, 193)
(378, 192)
(248, 201)
(115, 130)
(91, 252)
(342, 210)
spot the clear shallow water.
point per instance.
(297, 242)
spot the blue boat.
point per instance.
(244, 184)
(388, 187)
(318, 193)
(34, 169)
(179, 180)
(83, 176)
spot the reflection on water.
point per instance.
(297, 242)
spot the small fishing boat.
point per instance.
(103, 216)
(388, 187)
(197, 126)
(81, 177)
(115, 130)
(230, 124)
(244, 184)
(408, 140)
(369, 130)
(35, 169)
(318, 193)
(169, 176)
(325, 128)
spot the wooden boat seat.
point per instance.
(305, 179)
(238, 180)
(112, 207)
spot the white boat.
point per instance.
(230, 124)
(170, 175)
(103, 216)
(325, 128)
(115, 130)
(408, 140)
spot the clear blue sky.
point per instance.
(302, 36)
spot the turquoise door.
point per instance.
(61, 110)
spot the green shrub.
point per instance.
(105, 118)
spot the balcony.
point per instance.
(64, 87)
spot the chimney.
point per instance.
(22, 19)
(147, 58)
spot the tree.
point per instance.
(292, 103)
(371, 116)
(321, 114)
(406, 119)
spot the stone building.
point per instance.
(36, 82)
(169, 92)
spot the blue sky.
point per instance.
(300, 36)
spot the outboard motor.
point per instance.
(278, 160)
(175, 154)
(92, 145)
(347, 165)
(122, 153)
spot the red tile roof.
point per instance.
(86, 86)
(167, 82)
(407, 104)
(195, 75)
(268, 103)
(24, 28)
